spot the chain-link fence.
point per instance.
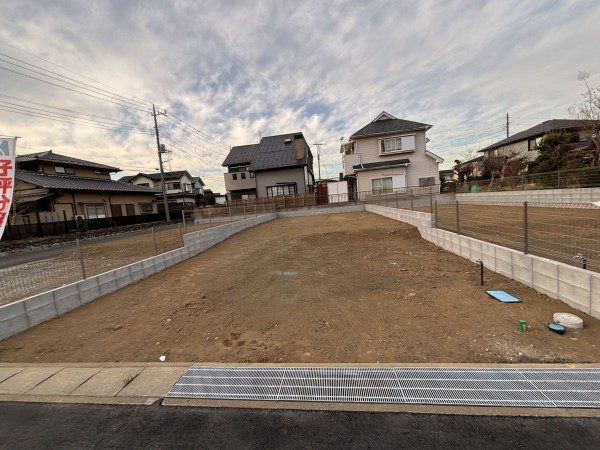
(26, 274)
(566, 233)
(560, 179)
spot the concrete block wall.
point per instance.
(23, 314)
(321, 210)
(576, 287)
(582, 196)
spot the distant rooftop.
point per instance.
(54, 158)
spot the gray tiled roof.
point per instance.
(126, 178)
(176, 174)
(276, 153)
(55, 158)
(540, 130)
(389, 126)
(79, 183)
(380, 164)
(271, 153)
(241, 154)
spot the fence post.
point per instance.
(431, 200)
(244, 211)
(435, 217)
(397, 200)
(457, 219)
(183, 214)
(412, 202)
(81, 259)
(558, 179)
(154, 240)
(525, 230)
(255, 210)
(181, 232)
(210, 216)
(229, 208)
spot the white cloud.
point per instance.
(234, 68)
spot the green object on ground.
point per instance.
(522, 326)
(474, 189)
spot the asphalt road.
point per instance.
(34, 425)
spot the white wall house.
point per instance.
(389, 155)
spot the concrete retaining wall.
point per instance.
(570, 196)
(322, 210)
(576, 287)
(23, 314)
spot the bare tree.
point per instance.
(589, 110)
(506, 165)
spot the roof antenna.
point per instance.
(259, 136)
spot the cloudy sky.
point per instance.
(226, 71)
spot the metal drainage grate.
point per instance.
(573, 388)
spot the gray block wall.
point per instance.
(23, 314)
(321, 210)
(581, 196)
(576, 287)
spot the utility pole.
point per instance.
(507, 125)
(319, 158)
(161, 150)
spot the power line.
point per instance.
(14, 111)
(60, 109)
(68, 116)
(65, 68)
(88, 88)
(69, 89)
(201, 133)
(134, 102)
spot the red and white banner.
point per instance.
(7, 177)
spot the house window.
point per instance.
(144, 184)
(426, 181)
(95, 211)
(282, 189)
(251, 174)
(238, 169)
(173, 186)
(399, 144)
(243, 175)
(533, 143)
(234, 176)
(187, 187)
(65, 170)
(146, 207)
(382, 186)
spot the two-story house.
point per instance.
(387, 156)
(277, 165)
(47, 182)
(179, 186)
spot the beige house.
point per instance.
(524, 144)
(389, 155)
(180, 186)
(277, 165)
(47, 182)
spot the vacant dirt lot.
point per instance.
(337, 288)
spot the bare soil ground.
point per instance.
(337, 288)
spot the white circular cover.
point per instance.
(568, 320)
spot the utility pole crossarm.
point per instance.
(319, 158)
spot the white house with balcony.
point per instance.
(389, 155)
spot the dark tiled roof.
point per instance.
(198, 179)
(127, 178)
(275, 153)
(271, 153)
(540, 130)
(79, 183)
(385, 126)
(380, 164)
(55, 158)
(242, 154)
(177, 174)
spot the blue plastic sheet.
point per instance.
(502, 296)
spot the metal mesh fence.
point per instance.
(28, 274)
(567, 233)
